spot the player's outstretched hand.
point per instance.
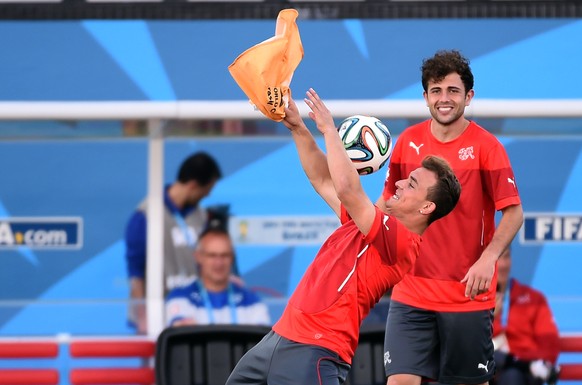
(319, 112)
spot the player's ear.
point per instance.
(469, 97)
(428, 208)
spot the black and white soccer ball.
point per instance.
(367, 141)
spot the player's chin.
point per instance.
(388, 206)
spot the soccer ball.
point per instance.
(367, 141)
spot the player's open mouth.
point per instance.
(444, 109)
(395, 197)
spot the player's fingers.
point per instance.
(474, 292)
(311, 95)
(315, 95)
(478, 285)
(312, 103)
(475, 287)
(317, 102)
(469, 287)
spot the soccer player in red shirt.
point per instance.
(440, 317)
(315, 339)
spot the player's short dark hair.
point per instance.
(446, 192)
(444, 63)
(199, 167)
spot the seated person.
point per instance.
(525, 336)
(215, 297)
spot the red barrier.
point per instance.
(571, 344)
(14, 349)
(570, 372)
(105, 376)
(112, 348)
(29, 377)
(25, 350)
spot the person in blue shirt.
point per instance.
(184, 219)
(215, 297)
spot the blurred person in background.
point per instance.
(525, 335)
(215, 298)
(184, 219)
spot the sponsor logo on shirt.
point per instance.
(385, 221)
(417, 148)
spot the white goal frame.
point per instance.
(206, 109)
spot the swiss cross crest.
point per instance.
(466, 153)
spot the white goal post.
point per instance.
(156, 113)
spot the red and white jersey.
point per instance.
(453, 244)
(349, 275)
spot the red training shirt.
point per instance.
(454, 243)
(348, 276)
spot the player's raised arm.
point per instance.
(312, 158)
(344, 175)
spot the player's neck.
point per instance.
(414, 224)
(448, 132)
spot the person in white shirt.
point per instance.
(216, 297)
